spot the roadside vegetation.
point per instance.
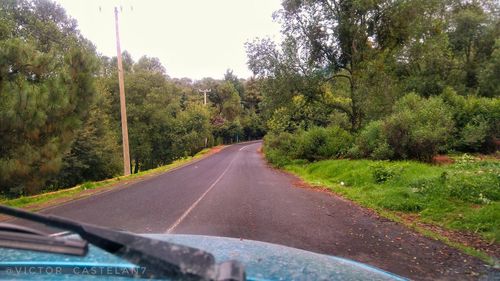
(461, 196)
(364, 97)
(464, 195)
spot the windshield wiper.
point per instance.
(160, 259)
(18, 237)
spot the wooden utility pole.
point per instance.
(123, 106)
(205, 103)
(205, 94)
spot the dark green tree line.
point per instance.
(348, 63)
(46, 91)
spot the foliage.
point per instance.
(193, 128)
(489, 81)
(476, 120)
(418, 128)
(464, 195)
(322, 143)
(357, 61)
(46, 90)
(372, 143)
(94, 154)
(314, 144)
(280, 148)
(383, 172)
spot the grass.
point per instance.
(461, 196)
(43, 200)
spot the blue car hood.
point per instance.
(263, 261)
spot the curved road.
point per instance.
(234, 193)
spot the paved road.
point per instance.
(234, 193)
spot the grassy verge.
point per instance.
(48, 199)
(461, 197)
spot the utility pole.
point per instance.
(205, 94)
(205, 103)
(123, 107)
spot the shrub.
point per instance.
(323, 143)
(315, 144)
(476, 120)
(372, 142)
(280, 148)
(419, 127)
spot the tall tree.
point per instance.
(95, 153)
(46, 89)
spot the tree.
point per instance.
(193, 127)
(472, 36)
(95, 153)
(46, 89)
(253, 94)
(489, 77)
(149, 64)
(151, 109)
(233, 80)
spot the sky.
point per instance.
(192, 38)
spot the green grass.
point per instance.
(461, 196)
(45, 199)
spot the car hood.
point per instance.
(263, 261)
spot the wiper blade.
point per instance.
(160, 259)
(35, 242)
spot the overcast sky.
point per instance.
(192, 38)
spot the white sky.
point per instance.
(192, 38)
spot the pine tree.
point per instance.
(46, 88)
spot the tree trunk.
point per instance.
(136, 168)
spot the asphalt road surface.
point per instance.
(234, 193)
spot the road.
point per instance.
(234, 193)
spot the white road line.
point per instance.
(186, 213)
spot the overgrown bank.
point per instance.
(463, 196)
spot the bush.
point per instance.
(419, 127)
(323, 143)
(315, 144)
(476, 120)
(372, 142)
(280, 148)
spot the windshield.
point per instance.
(354, 137)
